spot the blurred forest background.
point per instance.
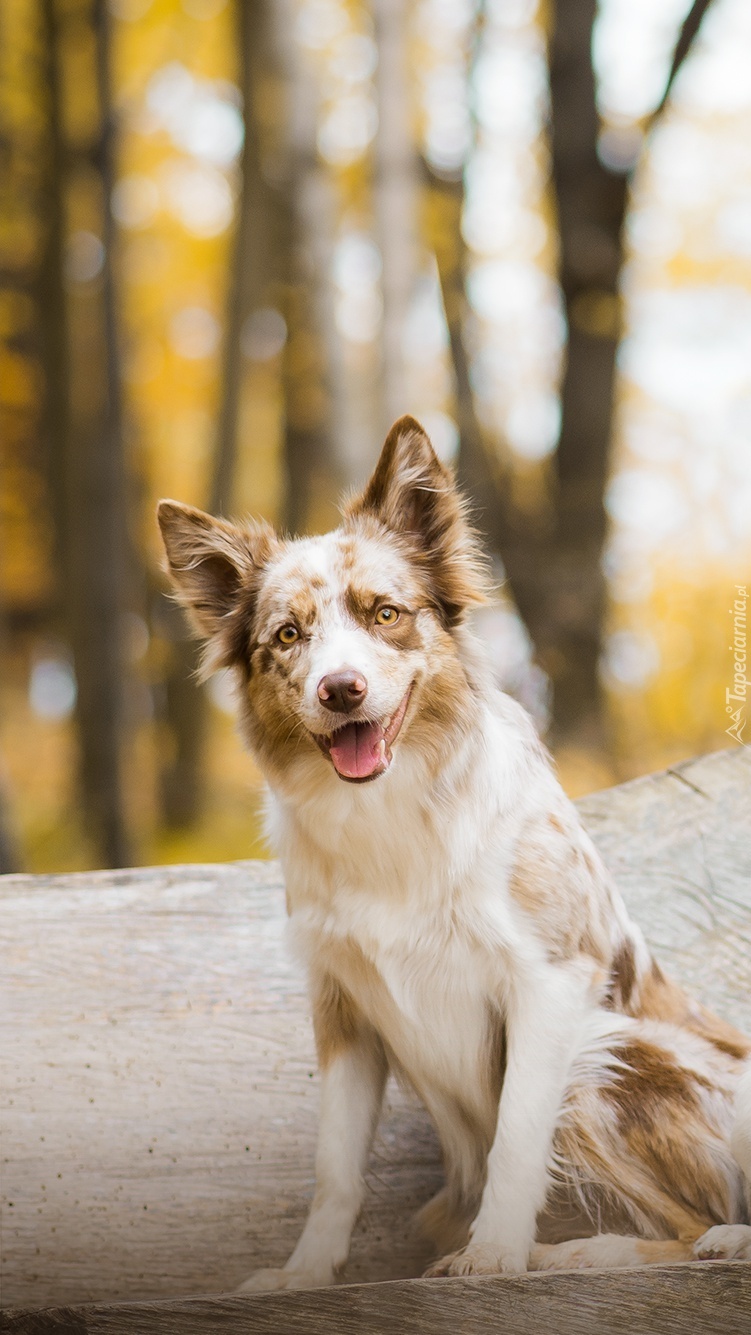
(238, 237)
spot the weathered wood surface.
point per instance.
(708, 1299)
(159, 1092)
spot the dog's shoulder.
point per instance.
(559, 881)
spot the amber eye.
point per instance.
(386, 616)
(288, 634)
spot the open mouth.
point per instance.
(361, 751)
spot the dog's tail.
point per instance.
(445, 1221)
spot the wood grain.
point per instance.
(707, 1299)
(158, 1107)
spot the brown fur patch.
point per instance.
(623, 973)
(658, 1253)
(264, 657)
(550, 882)
(737, 1047)
(661, 1163)
(404, 635)
(496, 1068)
(661, 998)
(648, 1082)
(363, 606)
(659, 1109)
(337, 1023)
(349, 973)
(303, 609)
(445, 706)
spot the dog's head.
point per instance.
(341, 641)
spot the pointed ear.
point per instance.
(216, 569)
(415, 496)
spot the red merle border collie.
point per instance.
(459, 927)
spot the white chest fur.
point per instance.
(426, 987)
(408, 909)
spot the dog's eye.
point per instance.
(387, 616)
(288, 634)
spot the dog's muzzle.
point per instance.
(360, 752)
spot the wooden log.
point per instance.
(707, 1299)
(159, 1092)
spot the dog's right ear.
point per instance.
(215, 567)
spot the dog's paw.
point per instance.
(724, 1242)
(475, 1259)
(268, 1281)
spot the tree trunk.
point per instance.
(51, 292)
(311, 475)
(10, 853)
(10, 857)
(97, 527)
(185, 703)
(248, 272)
(591, 205)
(477, 471)
(396, 197)
(314, 447)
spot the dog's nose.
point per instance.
(342, 691)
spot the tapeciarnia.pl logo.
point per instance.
(737, 695)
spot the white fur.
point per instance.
(724, 1242)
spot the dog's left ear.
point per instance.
(415, 496)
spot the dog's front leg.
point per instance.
(352, 1084)
(544, 1010)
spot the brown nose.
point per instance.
(342, 691)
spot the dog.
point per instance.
(458, 925)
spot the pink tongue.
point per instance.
(355, 750)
